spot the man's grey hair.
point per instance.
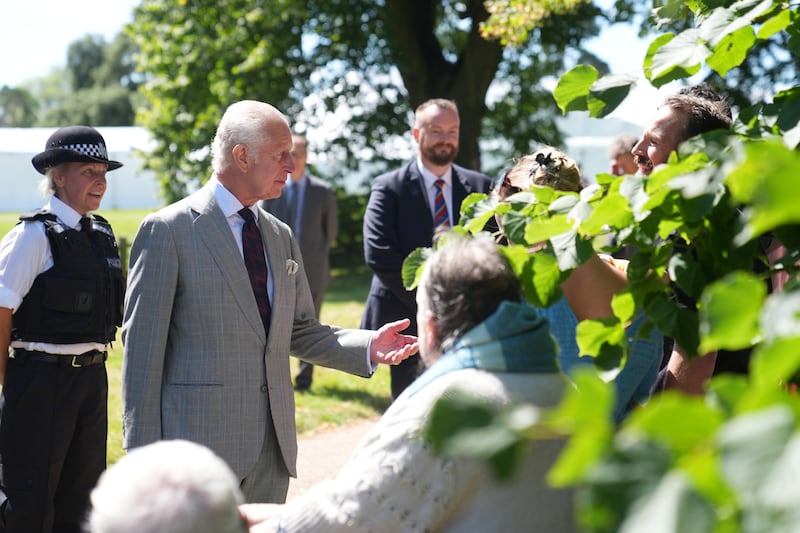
(242, 123)
(463, 283)
(172, 486)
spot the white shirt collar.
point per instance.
(430, 178)
(226, 201)
(65, 213)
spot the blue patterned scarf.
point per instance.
(513, 339)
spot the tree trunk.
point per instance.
(428, 72)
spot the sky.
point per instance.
(35, 35)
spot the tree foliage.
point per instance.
(726, 462)
(350, 71)
(17, 108)
(97, 87)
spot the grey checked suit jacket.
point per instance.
(197, 364)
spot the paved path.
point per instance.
(321, 455)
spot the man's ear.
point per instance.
(431, 331)
(241, 157)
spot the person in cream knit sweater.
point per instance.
(477, 335)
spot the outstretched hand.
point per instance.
(389, 346)
(259, 517)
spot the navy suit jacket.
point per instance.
(397, 221)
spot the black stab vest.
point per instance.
(80, 298)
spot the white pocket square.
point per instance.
(291, 267)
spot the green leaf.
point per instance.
(676, 322)
(476, 210)
(463, 424)
(624, 306)
(775, 363)
(514, 224)
(780, 316)
(540, 230)
(542, 282)
(604, 337)
(723, 22)
(775, 24)
(607, 93)
(585, 412)
(633, 189)
(719, 327)
(413, 266)
(563, 205)
(673, 506)
(768, 181)
(454, 412)
(732, 50)
(571, 250)
(613, 489)
(678, 58)
(613, 210)
(678, 422)
(538, 272)
(751, 444)
(780, 492)
(788, 116)
(572, 90)
(687, 274)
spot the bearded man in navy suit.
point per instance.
(405, 209)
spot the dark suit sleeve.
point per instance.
(382, 249)
(331, 216)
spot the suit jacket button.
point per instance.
(263, 388)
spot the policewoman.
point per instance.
(61, 296)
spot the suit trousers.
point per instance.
(53, 429)
(268, 481)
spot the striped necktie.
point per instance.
(440, 216)
(256, 263)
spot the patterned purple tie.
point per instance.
(256, 264)
(440, 216)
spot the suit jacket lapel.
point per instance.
(277, 256)
(215, 232)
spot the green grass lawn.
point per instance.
(335, 399)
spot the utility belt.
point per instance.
(92, 357)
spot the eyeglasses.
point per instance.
(504, 188)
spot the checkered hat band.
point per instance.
(92, 150)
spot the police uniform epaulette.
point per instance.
(38, 214)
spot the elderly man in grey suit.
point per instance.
(213, 310)
(308, 205)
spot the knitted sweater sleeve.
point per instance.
(392, 482)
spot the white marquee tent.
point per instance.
(129, 187)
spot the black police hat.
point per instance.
(74, 144)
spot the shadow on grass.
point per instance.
(349, 284)
(378, 403)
